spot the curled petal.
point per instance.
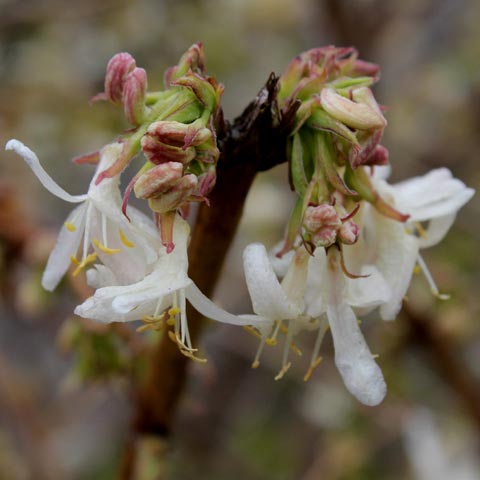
(46, 180)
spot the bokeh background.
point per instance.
(65, 404)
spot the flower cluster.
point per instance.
(353, 240)
(351, 244)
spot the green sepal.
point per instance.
(297, 167)
(321, 120)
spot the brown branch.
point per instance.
(255, 142)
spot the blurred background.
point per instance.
(65, 404)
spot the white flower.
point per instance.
(315, 294)
(159, 297)
(126, 248)
(394, 247)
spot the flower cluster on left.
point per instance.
(138, 265)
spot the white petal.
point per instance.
(210, 310)
(66, 246)
(280, 265)
(100, 276)
(152, 287)
(99, 307)
(436, 231)
(267, 295)
(432, 195)
(360, 373)
(396, 254)
(46, 180)
(317, 282)
(367, 292)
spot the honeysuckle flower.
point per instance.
(96, 225)
(314, 295)
(157, 298)
(393, 247)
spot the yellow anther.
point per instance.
(184, 350)
(252, 331)
(74, 260)
(283, 371)
(70, 226)
(295, 349)
(191, 356)
(144, 328)
(105, 249)
(284, 329)
(441, 296)
(375, 356)
(171, 321)
(173, 311)
(311, 368)
(421, 231)
(255, 364)
(271, 341)
(124, 239)
(417, 269)
(87, 261)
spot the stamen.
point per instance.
(104, 249)
(256, 362)
(283, 371)
(273, 339)
(124, 239)
(430, 280)
(74, 260)
(315, 359)
(421, 231)
(311, 368)
(70, 226)
(85, 262)
(295, 349)
(252, 331)
(86, 235)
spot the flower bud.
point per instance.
(179, 134)
(175, 196)
(352, 114)
(206, 181)
(321, 216)
(379, 157)
(206, 93)
(192, 60)
(158, 152)
(324, 237)
(118, 68)
(348, 232)
(158, 180)
(134, 93)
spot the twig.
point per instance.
(255, 142)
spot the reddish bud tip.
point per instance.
(134, 93)
(119, 66)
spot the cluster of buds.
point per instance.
(324, 225)
(338, 129)
(174, 129)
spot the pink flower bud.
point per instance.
(351, 113)
(158, 180)
(379, 156)
(206, 181)
(348, 233)
(179, 134)
(324, 237)
(361, 68)
(118, 68)
(134, 93)
(176, 196)
(159, 152)
(321, 216)
(192, 60)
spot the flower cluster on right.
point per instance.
(353, 240)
